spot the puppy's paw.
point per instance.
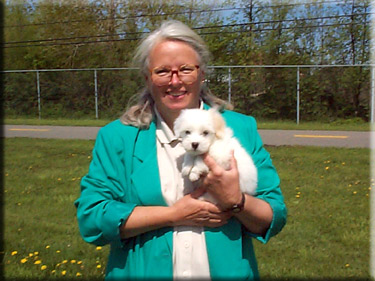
(194, 176)
(185, 171)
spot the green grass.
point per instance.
(338, 125)
(326, 191)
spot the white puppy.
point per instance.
(205, 131)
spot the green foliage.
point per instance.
(104, 34)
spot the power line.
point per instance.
(197, 28)
(202, 33)
(123, 18)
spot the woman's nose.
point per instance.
(175, 80)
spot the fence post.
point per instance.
(372, 94)
(96, 94)
(38, 90)
(229, 85)
(297, 95)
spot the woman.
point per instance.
(130, 196)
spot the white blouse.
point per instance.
(189, 245)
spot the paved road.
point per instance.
(269, 137)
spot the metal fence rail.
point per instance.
(229, 75)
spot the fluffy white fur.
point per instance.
(205, 131)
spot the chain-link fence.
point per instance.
(288, 92)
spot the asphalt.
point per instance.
(349, 139)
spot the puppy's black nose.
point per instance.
(194, 145)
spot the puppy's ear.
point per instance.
(219, 123)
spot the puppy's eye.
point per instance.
(187, 132)
(205, 133)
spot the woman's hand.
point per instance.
(190, 211)
(222, 184)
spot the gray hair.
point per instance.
(139, 112)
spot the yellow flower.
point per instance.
(23, 260)
(98, 266)
(36, 253)
(43, 267)
(14, 253)
(354, 192)
(38, 262)
(63, 272)
(59, 179)
(78, 274)
(73, 261)
(98, 248)
(297, 196)
(48, 246)
(64, 261)
(327, 168)
(347, 265)
(58, 251)
(79, 262)
(53, 271)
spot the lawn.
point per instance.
(326, 191)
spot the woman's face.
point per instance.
(171, 98)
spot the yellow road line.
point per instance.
(320, 136)
(34, 130)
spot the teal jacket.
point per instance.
(124, 174)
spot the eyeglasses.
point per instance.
(162, 75)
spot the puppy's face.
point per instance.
(196, 129)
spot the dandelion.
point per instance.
(343, 163)
(58, 251)
(79, 262)
(53, 271)
(297, 196)
(31, 254)
(63, 272)
(73, 261)
(19, 203)
(354, 192)
(48, 246)
(14, 253)
(98, 248)
(36, 253)
(64, 261)
(24, 260)
(98, 266)
(88, 157)
(78, 274)
(327, 168)
(38, 262)
(59, 179)
(347, 265)
(43, 267)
